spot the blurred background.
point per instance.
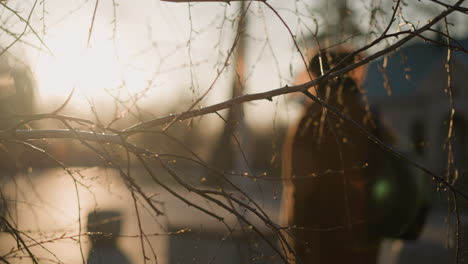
(124, 63)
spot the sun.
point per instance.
(90, 70)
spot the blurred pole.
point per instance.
(224, 157)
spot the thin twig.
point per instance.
(92, 23)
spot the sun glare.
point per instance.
(90, 70)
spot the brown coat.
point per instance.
(325, 194)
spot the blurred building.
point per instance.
(17, 90)
(409, 90)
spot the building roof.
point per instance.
(406, 69)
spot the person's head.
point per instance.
(104, 227)
(337, 88)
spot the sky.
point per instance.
(165, 52)
(142, 49)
